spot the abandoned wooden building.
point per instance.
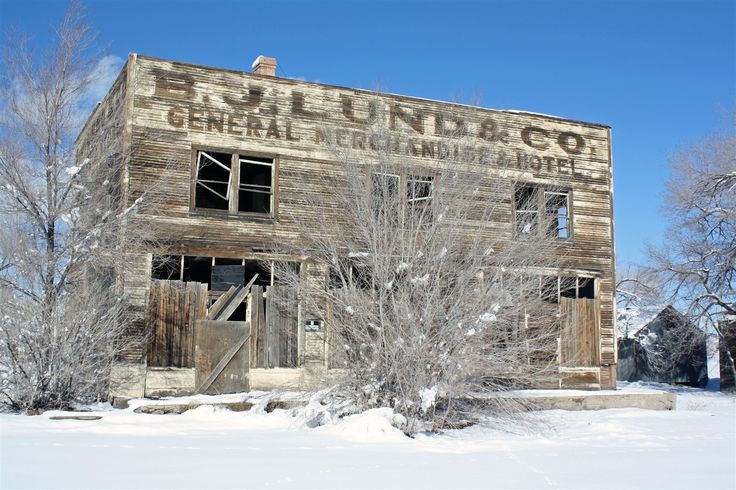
(228, 138)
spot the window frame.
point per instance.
(541, 213)
(235, 156)
(425, 204)
(405, 201)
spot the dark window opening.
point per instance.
(558, 215)
(581, 287)
(419, 200)
(255, 190)
(214, 180)
(335, 279)
(198, 269)
(166, 267)
(568, 288)
(239, 314)
(361, 277)
(227, 261)
(549, 289)
(291, 267)
(586, 288)
(385, 194)
(352, 275)
(253, 267)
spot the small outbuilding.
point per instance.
(727, 354)
(668, 349)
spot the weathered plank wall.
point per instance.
(173, 309)
(579, 336)
(177, 108)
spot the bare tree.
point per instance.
(62, 315)
(433, 298)
(639, 297)
(698, 259)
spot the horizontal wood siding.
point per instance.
(179, 107)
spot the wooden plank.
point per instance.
(222, 357)
(235, 300)
(220, 303)
(259, 326)
(229, 302)
(173, 307)
(224, 361)
(273, 321)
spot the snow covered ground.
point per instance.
(692, 447)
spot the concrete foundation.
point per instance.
(599, 400)
(165, 381)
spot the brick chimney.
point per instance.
(264, 65)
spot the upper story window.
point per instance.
(236, 183)
(542, 212)
(415, 205)
(419, 200)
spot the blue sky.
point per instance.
(660, 73)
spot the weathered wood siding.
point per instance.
(579, 336)
(178, 107)
(173, 309)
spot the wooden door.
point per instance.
(223, 357)
(275, 326)
(579, 333)
(172, 309)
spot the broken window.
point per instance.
(580, 287)
(531, 201)
(219, 173)
(419, 200)
(255, 190)
(558, 216)
(527, 211)
(214, 180)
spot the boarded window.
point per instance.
(225, 276)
